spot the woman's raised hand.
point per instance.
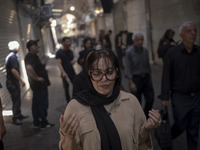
(69, 125)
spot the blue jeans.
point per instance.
(40, 104)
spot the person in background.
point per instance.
(138, 72)
(181, 83)
(101, 38)
(13, 81)
(80, 81)
(129, 39)
(102, 116)
(124, 40)
(2, 126)
(65, 61)
(107, 41)
(39, 82)
(87, 43)
(118, 46)
(166, 42)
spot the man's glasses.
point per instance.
(97, 75)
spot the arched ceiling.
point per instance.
(82, 7)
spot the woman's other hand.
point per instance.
(153, 121)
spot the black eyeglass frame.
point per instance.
(104, 74)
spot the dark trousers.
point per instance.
(186, 112)
(144, 86)
(66, 89)
(1, 145)
(120, 56)
(40, 104)
(14, 90)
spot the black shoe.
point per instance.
(48, 125)
(21, 117)
(17, 122)
(36, 127)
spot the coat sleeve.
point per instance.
(68, 110)
(139, 120)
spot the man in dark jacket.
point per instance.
(181, 82)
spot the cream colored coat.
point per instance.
(127, 116)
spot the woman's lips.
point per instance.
(104, 86)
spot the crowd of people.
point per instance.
(100, 114)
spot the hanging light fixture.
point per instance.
(72, 8)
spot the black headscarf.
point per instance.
(110, 139)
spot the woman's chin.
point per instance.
(105, 93)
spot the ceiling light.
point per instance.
(97, 11)
(72, 8)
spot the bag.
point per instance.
(163, 132)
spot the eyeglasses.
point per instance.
(97, 75)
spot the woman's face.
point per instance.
(171, 35)
(103, 68)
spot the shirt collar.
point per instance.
(183, 49)
(138, 51)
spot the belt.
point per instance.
(192, 94)
(188, 94)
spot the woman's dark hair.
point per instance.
(129, 41)
(167, 33)
(97, 55)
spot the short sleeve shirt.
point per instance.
(33, 60)
(11, 63)
(66, 56)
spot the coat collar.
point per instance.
(122, 97)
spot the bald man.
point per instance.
(181, 83)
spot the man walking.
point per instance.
(65, 61)
(13, 81)
(39, 82)
(181, 82)
(138, 72)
